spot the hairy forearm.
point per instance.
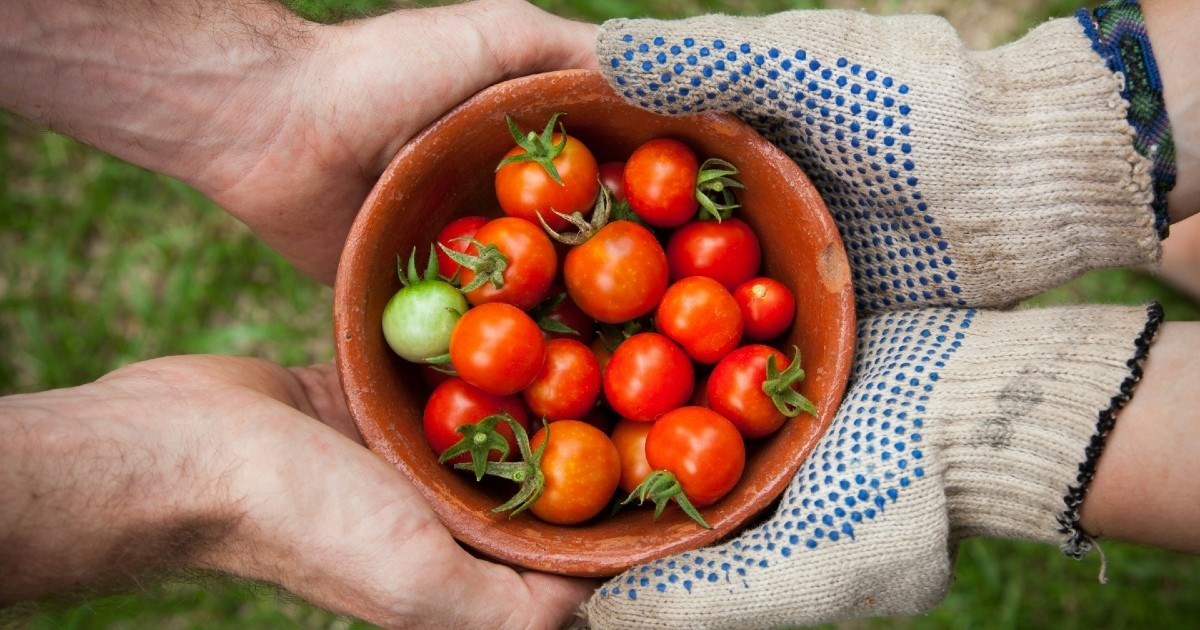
(89, 497)
(145, 80)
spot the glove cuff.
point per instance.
(1035, 397)
(1045, 180)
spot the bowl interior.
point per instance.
(447, 172)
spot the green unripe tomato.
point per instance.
(418, 319)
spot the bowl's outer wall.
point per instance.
(447, 172)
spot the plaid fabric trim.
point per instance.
(1118, 33)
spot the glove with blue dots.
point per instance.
(960, 422)
(959, 181)
(957, 178)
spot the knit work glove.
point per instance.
(959, 423)
(957, 178)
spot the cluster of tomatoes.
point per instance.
(653, 312)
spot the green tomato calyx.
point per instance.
(540, 149)
(612, 335)
(781, 387)
(541, 315)
(527, 472)
(622, 211)
(488, 264)
(409, 275)
(441, 363)
(661, 487)
(714, 189)
(586, 229)
(479, 439)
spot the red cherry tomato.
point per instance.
(767, 306)
(727, 251)
(660, 182)
(530, 268)
(618, 274)
(647, 376)
(602, 349)
(526, 189)
(455, 403)
(582, 469)
(600, 418)
(565, 312)
(612, 177)
(568, 384)
(700, 390)
(701, 316)
(454, 236)
(497, 348)
(735, 390)
(701, 448)
(602, 352)
(432, 377)
(630, 439)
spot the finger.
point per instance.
(560, 594)
(473, 45)
(530, 40)
(504, 597)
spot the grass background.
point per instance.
(103, 263)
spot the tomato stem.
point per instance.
(586, 229)
(527, 472)
(661, 487)
(479, 440)
(409, 275)
(488, 263)
(714, 189)
(781, 387)
(538, 148)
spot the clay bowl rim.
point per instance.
(599, 548)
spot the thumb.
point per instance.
(446, 54)
(783, 67)
(694, 65)
(522, 39)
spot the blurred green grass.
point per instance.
(103, 263)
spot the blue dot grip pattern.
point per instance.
(874, 451)
(849, 127)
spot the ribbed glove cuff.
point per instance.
(1024, 416)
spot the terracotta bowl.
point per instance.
(446, 172)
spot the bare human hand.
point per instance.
(245, 467)
(284, 123)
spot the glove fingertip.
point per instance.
(614, 33)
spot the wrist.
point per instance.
(99, 486)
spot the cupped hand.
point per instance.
(317, 513)
(309, 143)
